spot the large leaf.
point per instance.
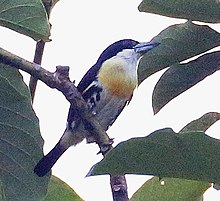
(27, 17)
(178, 189)
(180, 77)
(177, 43)
(20, 141)
(58, 190)
(169, 189)
(199, 10)
(164, 153)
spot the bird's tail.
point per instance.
(46, 163)
(69, 138)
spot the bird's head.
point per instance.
(126, 48)
(124, 54)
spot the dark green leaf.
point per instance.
(169, 189)
(177, 43)
(26, 17)
(203, 123)
(190, 155)
(20, 141)
(200, 10)
(185, 190)
(180, 77)
(58, 190)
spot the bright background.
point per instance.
(81, 30)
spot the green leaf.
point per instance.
(27, 17)
(200, 10)
(20, 141)
(164, 153)
(169, 189)
(203, 123)
(58, 190)
(177, 43)
(180, 77)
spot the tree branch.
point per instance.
(119, 187)
(60, 81)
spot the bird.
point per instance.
(107, 87)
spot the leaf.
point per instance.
(177, 43)
(203, 123)
(27, 17)
(167, 189)
(164, 153)
(171, 189)
(20, 141)
(200, 10)
(180, 77)
(58, 190)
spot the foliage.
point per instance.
(167, 189)
(20, 139)
(58, 190)
(201, 10)
(165, 153)
(183, 157)
(26, 17)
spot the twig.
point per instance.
(39, 49)
(60, 80)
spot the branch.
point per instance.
(119, 188)
(60, 81)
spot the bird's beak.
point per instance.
(143, 48)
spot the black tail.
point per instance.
(46, 163)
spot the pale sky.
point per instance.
(81, 30)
